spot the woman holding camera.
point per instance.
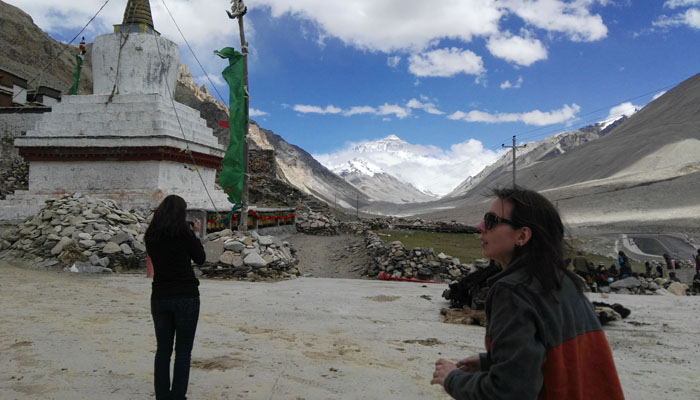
(172, 246)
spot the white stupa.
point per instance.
(126, 141)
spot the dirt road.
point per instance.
(70, 336)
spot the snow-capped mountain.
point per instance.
(391, 143)
(357, 166)
(379, 185)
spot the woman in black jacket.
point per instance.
(172, 246)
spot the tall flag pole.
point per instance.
(238, 10)
(79, 63)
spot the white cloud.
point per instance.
(389, 109)
(398, 25)
(360, 110)
(516, 85)
(691, 18)
(535, 117)
(425, 167)
(428, 107)
(618, 111)
(257, 113)
(383, 110)
(656, 96)
(570, 18)
(446, 63)
(519, 50)
(681, 3)
(210, 79)
(393, 61)
(330, 109)
(392, 25)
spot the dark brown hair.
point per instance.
(543, 254)
(168, 219)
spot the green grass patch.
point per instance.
(465, 246)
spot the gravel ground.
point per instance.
(341, 256)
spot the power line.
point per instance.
(193, 54)
(184, 137)
(585, 123)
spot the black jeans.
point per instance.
(174, 318)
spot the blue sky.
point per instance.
(453, 78)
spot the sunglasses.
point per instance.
(491, 220)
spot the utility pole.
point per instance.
(238, 10)
(513, 146)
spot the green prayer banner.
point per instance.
(76, 75)
(232, 166)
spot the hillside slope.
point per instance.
(644, 174)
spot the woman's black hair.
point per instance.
(168, 219)
(543, 254)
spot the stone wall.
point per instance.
(15, 122)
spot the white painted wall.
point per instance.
(19, 94)
(140, 67)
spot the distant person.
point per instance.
(697, 261)
(625, 266)
(601, 275)
(696, 282)
(670, 262)
(647, 269)
(172, 246)
(613, 272)
(659, 270)
(581, 265)
(543, 337)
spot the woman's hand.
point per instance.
(196, 226)
(442, 369)
(469, 364)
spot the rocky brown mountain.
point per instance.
(27, 51)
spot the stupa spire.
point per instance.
(137, 17)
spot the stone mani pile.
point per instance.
(81, 232)
(248, 255)
(642, 285)
(316, 224)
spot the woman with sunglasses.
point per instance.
(543, 338)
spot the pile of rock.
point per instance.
(79, 231)
(642, 285)
(14, 176)
(418, 263)
(419, 224)
(316, 224)
(248, 256)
